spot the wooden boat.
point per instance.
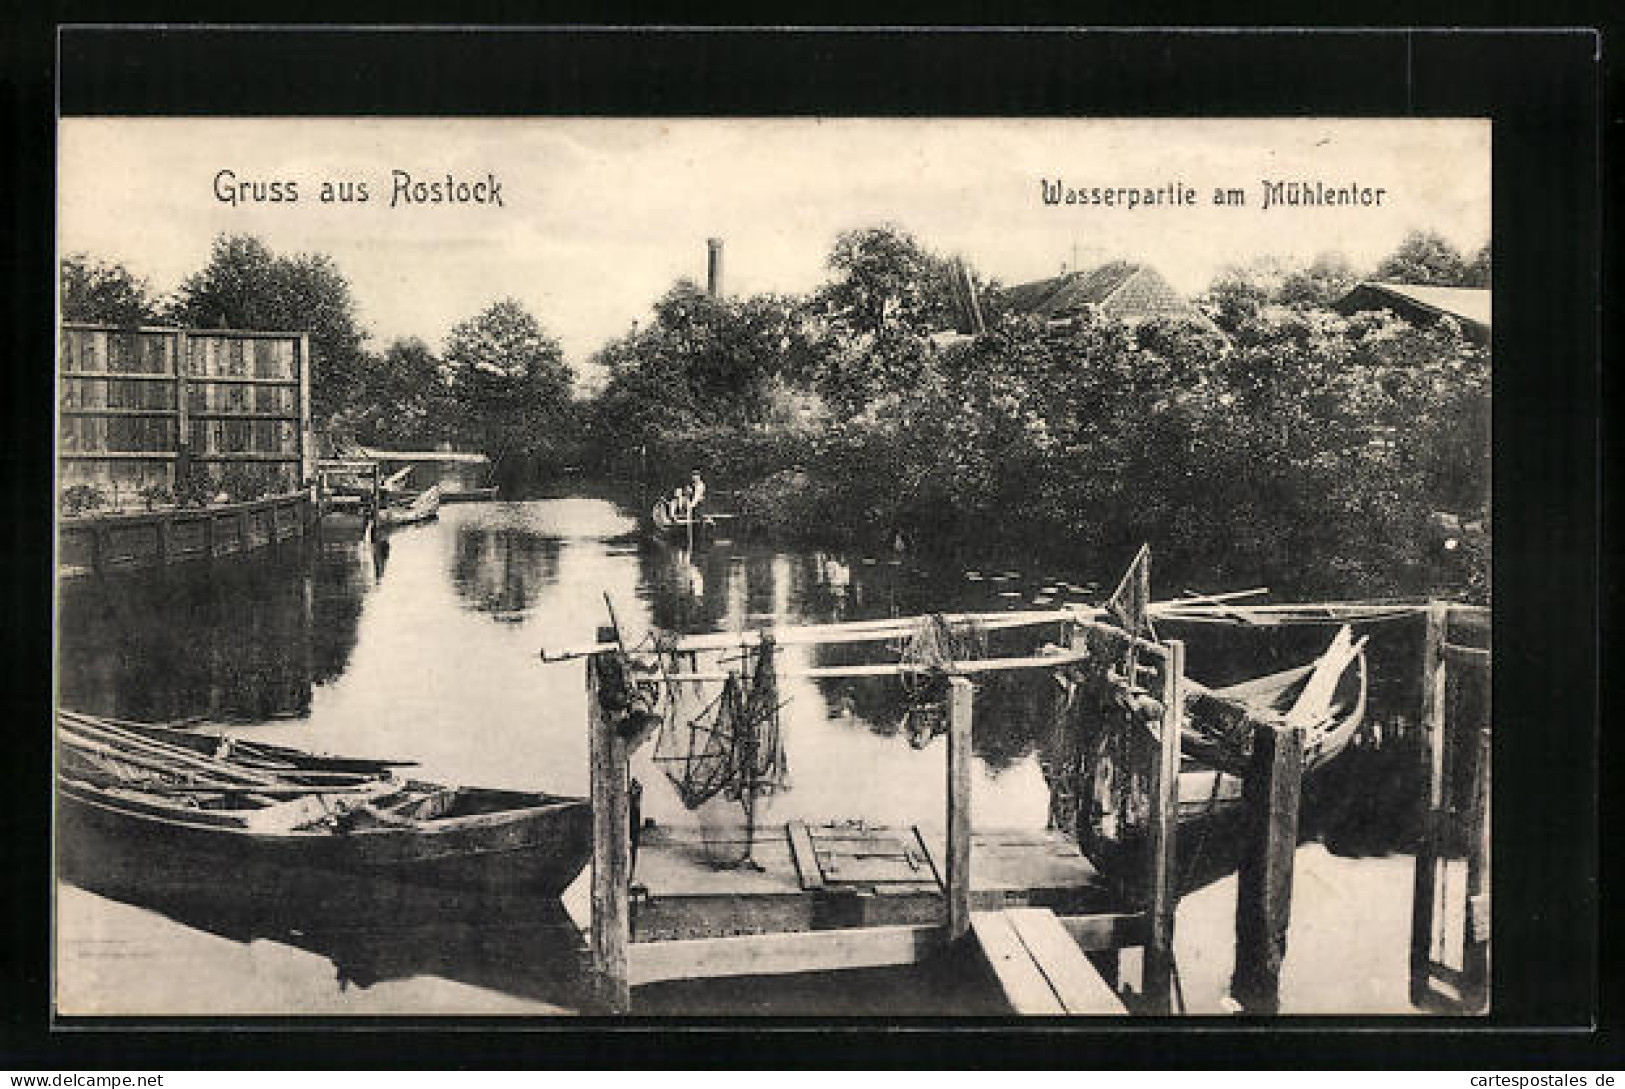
(672, 526)
(469, 495)
(224, 801)
(422, 507)
(1327, 697)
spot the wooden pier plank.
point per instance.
(1025, 988)
(783, 954)
(805, 857)
(1074, 980)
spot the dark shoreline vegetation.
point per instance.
(1266, 441)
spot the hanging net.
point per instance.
(931, 650)
(1061, 752)
(729, 750)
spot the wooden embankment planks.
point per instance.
(1040, 969)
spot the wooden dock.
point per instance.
(822, 876)
(826, 896)
(815, 896)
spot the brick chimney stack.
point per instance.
(713, 269)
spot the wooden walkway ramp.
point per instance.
(1041, 970)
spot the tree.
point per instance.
(404, 399)
(1240, 291)
(246, 286)
(1478, 269)
(509, 381)
(104, 291)
(885, 277)
(1424, 257)
(874, 317)
(1320, 283)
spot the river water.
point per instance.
(425, 646)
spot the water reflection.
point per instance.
(503, 569)
(373, 931)
(389, 649)
(237, 640)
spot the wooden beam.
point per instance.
(868, 631)
(307, 438)
(1432, 724)
(1025, 988)
(181, 471)
(804, 855)
(1476, 943)
(1077, 985)
(611, 929)
(1157, 981)
(961, 710)
(1270, 795)
(1470, 657)
(1102, 932)
(782, 953)
(882, 669)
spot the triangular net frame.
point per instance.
(931, 649)
(732, 750)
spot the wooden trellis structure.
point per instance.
(139, 407)
(152, 409)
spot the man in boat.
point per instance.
(677, 504)
(694, 494)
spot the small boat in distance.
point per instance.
(675, 526)
(420, 508)
(146, 787)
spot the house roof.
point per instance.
(1470, 304)
(425, 455)
(1071, 290)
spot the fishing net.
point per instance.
(930, 652)
(1061, 752)
(728, 751)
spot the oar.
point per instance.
(150, 763)
(173, 753)
(243, 750)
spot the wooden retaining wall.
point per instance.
(145, 540)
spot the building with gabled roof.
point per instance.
(1423, 304)
(1125, 290)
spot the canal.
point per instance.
(424, 646)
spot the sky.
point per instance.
(599, 217)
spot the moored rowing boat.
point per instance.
(150, 787)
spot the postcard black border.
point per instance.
(1543, 89)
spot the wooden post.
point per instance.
(1476, 945)
(1432, 726)
(1158, 966)
(183, 418)
(611, 854)
(1270, 796)
(307, 443)
(961, 700)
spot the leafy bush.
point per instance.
(157, 495)
(195, 487)
(244, 481)
(81, 498)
